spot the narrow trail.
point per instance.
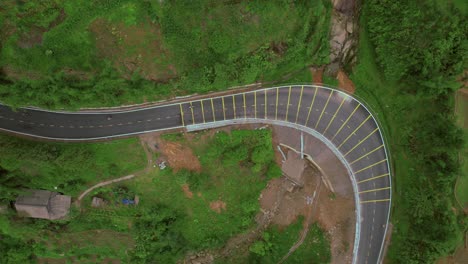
(124, 178)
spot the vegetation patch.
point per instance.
(64, 167)
(399, 74)
(92, 53)
(462, 115)
(275, 243)
(177, 212)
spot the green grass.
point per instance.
(333, 82)
(219, 180)
(462, 185)
(209, 45)
(65, 167)
(106, 244)
(276, 242)
(176, 137)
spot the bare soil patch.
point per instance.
(345, 83)
(292, 204)
(179, 156)
(134, 48)
(317, 74)
(336, 215)
(218, 206)
(187, 192)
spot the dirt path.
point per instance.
(124, 178)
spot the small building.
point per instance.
(293, 168)
(43, 204)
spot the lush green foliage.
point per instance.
(162, 228)
(417, 42)
(276, 242)
(158, 238)
(210, 45)
(424, 141)
(67, 168)
(219, 181)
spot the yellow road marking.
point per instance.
(255, 104)
(287, 107)
(323, 110)
(372, 165)
(266, 104)
(245, 106)
(193, 117)
(212, 109)
(344, 123)
(375, 201)
(182, 114)
(360, 141)
(299, 106)
(334, 115)
(276, 113)
(367, 154)
(375, 190)
(202, 110)
(373, 178)
(311, 105)
(224, 109)
(350, 135)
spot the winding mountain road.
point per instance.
(343, 123)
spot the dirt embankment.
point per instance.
(177, 155)
(345, 83)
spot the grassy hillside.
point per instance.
(179, 212)
(92, 53)
(67, 168)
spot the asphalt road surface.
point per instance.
(341, 119)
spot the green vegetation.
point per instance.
(275, 244)
(173, 137)
(178, 212)
(195, 225)
(462, 114)
(67, 168)
(86, 53)
(413, 97)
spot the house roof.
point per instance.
(43, 204)
(34, 198)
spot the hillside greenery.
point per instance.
(86, 53)
(63, 167)
(166, 225)
(410, 54)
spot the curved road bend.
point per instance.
(344, 122)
